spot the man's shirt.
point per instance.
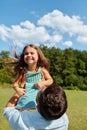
(26, 120)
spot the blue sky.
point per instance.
(59, 23)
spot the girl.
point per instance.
(32, 73)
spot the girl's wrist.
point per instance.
(15, 87)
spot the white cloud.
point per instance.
(82, 39)
(25, 33)
(28, 25)
(55, 39)
(57, 20)
(4, 33)
(50, 29)
(68, 43)
(64, 24)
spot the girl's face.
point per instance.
(30, 56)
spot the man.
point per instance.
(49, 114)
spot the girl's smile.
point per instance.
(30, 56)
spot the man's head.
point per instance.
(52, 102)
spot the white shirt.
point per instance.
(26, 120)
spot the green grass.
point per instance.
(5, 94)
(77, 108)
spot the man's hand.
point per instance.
(13, 101)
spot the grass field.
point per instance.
(77, 108)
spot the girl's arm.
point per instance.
(19, 88)
(46, 79)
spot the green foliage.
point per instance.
(1, 65)
(57, 80)
(71, 87)
(5, 77)
(6, 73)
(71, 80)
(4, 54)
(83, 87)
(68, 67)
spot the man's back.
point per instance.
(26, 120)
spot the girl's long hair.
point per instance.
(20, 64)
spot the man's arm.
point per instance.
(13, 115)
(13, 101)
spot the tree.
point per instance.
(4, 54)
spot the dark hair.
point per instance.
(52, 102)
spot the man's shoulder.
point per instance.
(9, 111)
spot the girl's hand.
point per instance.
(20, 91)
(39, 85)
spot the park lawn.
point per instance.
(77, 108)
(5, 94)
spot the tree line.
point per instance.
(68, 67)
